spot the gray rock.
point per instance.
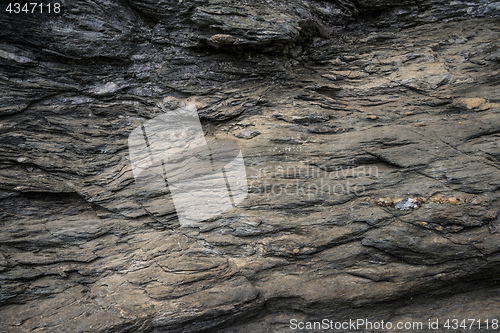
(406, 204)
(341, 110)
(247, 135)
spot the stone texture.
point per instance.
(341, 109)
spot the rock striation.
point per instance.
(370, 132)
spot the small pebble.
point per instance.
(406, 204)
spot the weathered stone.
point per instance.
(370, 135)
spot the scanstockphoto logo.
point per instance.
(204, 180)
(312, 181)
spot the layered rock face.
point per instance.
(370, 134)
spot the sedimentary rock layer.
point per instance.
(370, 134)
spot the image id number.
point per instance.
(33, 7)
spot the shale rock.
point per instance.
(342, 110)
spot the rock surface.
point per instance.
(343, 110)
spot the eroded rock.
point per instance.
(335, 131)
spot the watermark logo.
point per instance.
(204, 180)
(313, 181)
